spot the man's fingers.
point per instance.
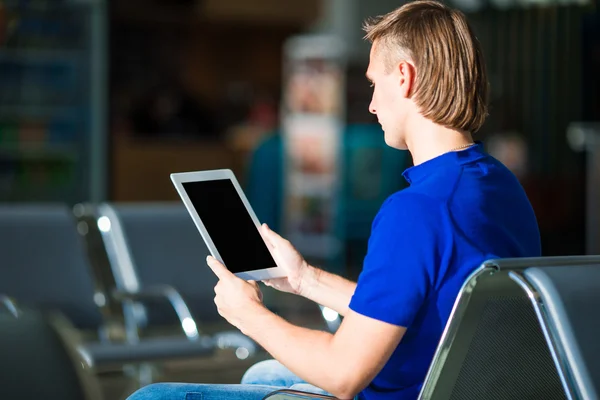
(219, 269)
(272, 236)
(264, 229)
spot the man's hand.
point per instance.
(299, 273)
(237, 300)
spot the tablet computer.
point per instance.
(227, 223)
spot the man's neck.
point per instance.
(427, 140)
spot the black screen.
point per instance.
(229, 225)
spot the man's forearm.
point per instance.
(310, 354)
(328, 289)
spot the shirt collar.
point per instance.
(421, 171)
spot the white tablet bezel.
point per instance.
(179, 178)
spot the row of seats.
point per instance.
(124, 275)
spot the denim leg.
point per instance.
(273, 373)
(186, 391)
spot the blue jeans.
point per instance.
(260, 380)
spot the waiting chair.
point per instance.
(45, 267)
(44, 264)
(502, 340)
(569, 301)
(156, 247)
(40, 361)
(520, 329)
(158, 256)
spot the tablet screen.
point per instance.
(229, 225)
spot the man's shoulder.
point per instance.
(407, 206)
(411, 199)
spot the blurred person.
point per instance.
(462, 207)
(511, 150)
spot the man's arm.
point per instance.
(327, 289)
(342, 364)
(302, 279)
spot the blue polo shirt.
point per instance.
(460, 209)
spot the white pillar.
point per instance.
(345, 18)
(340, 18)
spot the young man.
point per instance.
(461, 208)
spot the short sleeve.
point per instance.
(402, 255)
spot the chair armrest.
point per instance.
(244, 346)
(10, 305)
(188, 324)
(111, 355)
(288, 394)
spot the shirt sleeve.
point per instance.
(402, 254)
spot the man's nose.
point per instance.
(372, 108)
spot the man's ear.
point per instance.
(406, 78)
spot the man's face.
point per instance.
(387, 101)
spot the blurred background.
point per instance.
(101, 100)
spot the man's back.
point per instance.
(461, 209)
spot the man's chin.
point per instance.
(396, 144)
(389, 140)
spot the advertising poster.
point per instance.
(313, 118)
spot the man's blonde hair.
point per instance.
(451, 87)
